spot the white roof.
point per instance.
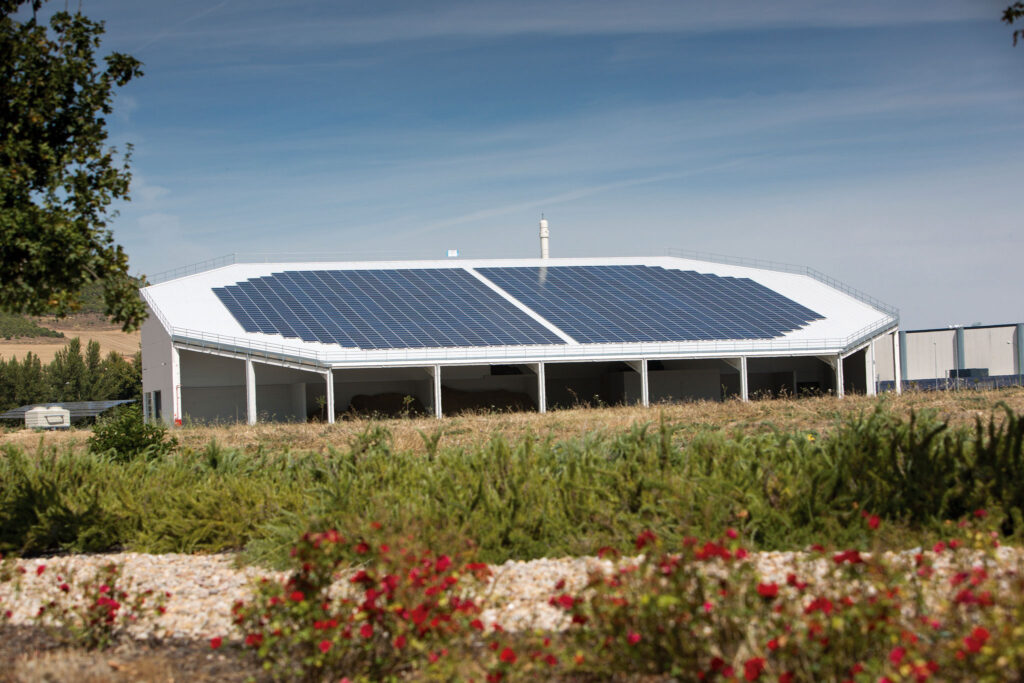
(194, 316)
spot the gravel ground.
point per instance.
(203, 587)
(175, 645)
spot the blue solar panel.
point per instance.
(610, 304)
(381, 309)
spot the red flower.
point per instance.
(645, 538)
(366, 630)
(896, 655)
(215, 642)
(873, 522)
(325, 645)
(297, 596)
(851, 556)
(477, 624)
(40, 569)
(565, 601)
(442, 563)
(731, 533)
(979, 636)
(981, 514)
(254, 639)
(362, 548)
(768, 590)
(773, 644)
(633, 637)
(551, 660)
(787, 677)
(65, 588)
(399, 642)
(752, 668)
(508, 656)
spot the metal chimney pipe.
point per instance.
(544, 234)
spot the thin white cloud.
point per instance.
(324, 24)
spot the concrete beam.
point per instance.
(740, 364)
(840, 390)
(542, 389)
(961, 352)
(645, 392)
(250, 392)
(436, 372)
(176, 411)
(899, 359)
(329, 379)
(870, 385)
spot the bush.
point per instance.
(127, 435)
(398, 612)
(704, 613)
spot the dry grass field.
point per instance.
(87, 327)
(812, 414)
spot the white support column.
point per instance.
(542, 391)
(869, 368)
(329, 379)
(250, 392)
(436, 372)
(645, 392)
(744, 380)
(897, 363)
(176, 411)
(741, 365)
(840, 391)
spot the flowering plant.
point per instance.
(361, 605)
(95, 611)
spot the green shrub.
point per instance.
(125, 434)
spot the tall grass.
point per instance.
(530, 496)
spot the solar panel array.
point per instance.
(609, 304)
(381, 309)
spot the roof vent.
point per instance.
(543, 237)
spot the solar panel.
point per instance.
(381, 309)
(612, 304)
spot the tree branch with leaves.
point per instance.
(1015, 12)
(58, 175)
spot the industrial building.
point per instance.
(978, 356)
(296, 341)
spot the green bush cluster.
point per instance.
(125, 435)
(532, 498)
(13, 325)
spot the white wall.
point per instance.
(930, 354)
(884, 366)
(157, 371)
(992, 348)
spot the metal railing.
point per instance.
(306, 355)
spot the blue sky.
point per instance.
(879, 142)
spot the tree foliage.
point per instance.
(74, 375)
(58, 176)
(1015, 12)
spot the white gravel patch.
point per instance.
(204, 587)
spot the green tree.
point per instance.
(1014, 13)
(22, 383)
(58, 177)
